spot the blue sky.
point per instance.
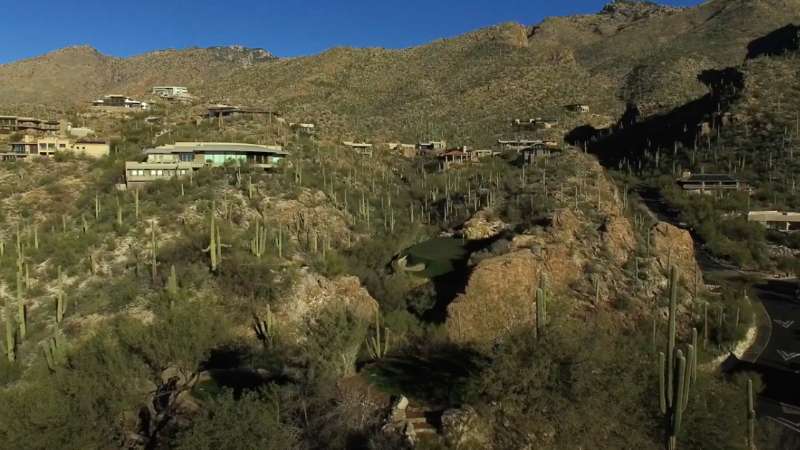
(285, 28)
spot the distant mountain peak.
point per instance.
(635, 9)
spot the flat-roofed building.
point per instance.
(361, 148)
(96, 148)
(709, 182)
(15, 124)
(120, 102)
(518, 145)
(170, 91)
(777, 220)
(32, 146)
(432, 146)
(181, 158)
(223, 111)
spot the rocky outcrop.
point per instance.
(492, 306)
(313, 293)
(482, 226)
(674, 246)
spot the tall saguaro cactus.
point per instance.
(10, 342)
(541, 304)
(22, 319)
(378, 347)
(154, 252)
(258, 245)
(215, 245)
(676, 371)
(61, 304)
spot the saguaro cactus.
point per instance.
(676, 378)
(258, 245)
(215, 245)
(541, 304)
(172, 284)
(265, 329)
(136, 204)
(119, 213)
(96, 206)
(377, 347)
(154, 252)
(61, 304)
(22, 319)
(53, 350)
(10, 342)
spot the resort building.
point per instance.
(708, 182)
(777, 220)
(182, 158)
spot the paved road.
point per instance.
(779, 361)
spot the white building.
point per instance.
(171, 91)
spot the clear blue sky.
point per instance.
(285, 28)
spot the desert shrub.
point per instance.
(252, 421)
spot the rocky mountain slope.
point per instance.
(629, 51)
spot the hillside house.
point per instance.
(303, 128)
(95, 148)
(776, 220)
(171, 91)
(15, 124)
(517, 145)
(706, 182)
(456, 157)
(405, 150)
(539, 150)
(546, 124)
(119, 102)
(523, 123)
(360, 148)
(48, 146)
(432, 147)
(224, 111)
(183, 158)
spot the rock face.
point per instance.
(492, 306)
(674, 246)
(482, 226)
(313, 293)
(583, 252)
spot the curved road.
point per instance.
(776, 354)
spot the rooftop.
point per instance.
(709, 178)
(200, 147)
